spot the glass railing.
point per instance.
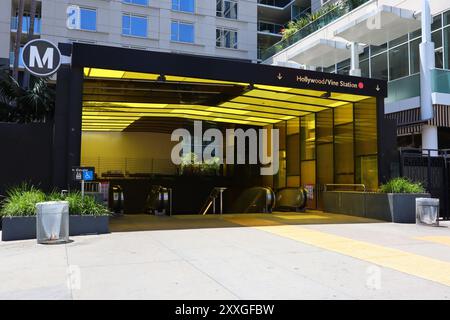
(409, 87)
(441, 80)
(404, 88)
(26, 21)
(322, 21)
(11, 58)
(270, 27)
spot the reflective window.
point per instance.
(398, 62)
(88, 19)
(182, 31)
(436, 37)
(227, 9)
(415, 55)
(377, 49)
(365, 68)
(226, 38)
(398, 41)
(437, 23)
(379, 67)
(183, 5)
(134, 25)
(139, 2)
(447, 47)
(447, 18)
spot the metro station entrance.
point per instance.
(117, 109)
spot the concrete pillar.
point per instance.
(430, 139)
(355, 69)
(427, 63)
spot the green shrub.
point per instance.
(402, 185)
(22, 200)
(85, 206)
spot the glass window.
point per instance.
(398, 41)
(436, 37)
(398, 62)
(365, 54)
(182, 31)
(439, 56)
(139, 2)
(330, 69)
(447, 18)
(415, 34)
(343, 144)
(447, 47)
(308, 137)
(415, 55)
(227, 9)
(88, 19)
(377, 49)
(343, 67)
(134, 25)
(365, 71)
(379, 66)
(437, 23)
(226, 38)
(183, 5)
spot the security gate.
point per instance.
(431, 168)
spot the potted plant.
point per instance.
(395, 201)
(18, 213)
(398, 197)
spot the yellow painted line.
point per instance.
(301, 217)
(416, 265)
(445, 240)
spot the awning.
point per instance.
(322, 52)
(383, 24)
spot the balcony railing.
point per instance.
(270, 27)
(275, 3)
(409, 87)
(322, 21)
(26, 21)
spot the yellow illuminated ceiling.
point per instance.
(114, 100)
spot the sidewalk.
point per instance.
(285, 261)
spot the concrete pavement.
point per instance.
(256, 259)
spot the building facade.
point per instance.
(386, 38)
(222, 28)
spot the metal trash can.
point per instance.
(427, 211)
(52, 222)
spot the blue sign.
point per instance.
(88, 175)
(83, 173)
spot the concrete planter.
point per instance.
(23, 228)
(391, 207)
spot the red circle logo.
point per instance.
(361, 85)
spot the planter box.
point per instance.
(391, 207)
(23, 228)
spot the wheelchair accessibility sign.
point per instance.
(83, 173)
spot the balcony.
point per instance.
(26, 21)
(409, 87)
(312, 27)
(270, 28)
(275, 3)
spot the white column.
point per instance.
(355, 69)
(430, 139)
(427, 63)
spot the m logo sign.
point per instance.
(41, 57)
